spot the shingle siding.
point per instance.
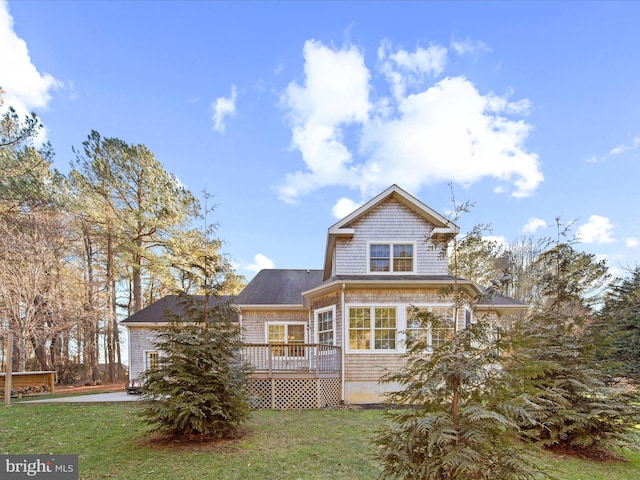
(390, 221)
(254, 321)
(141, 340)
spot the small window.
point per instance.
(151, 360)
(391, 257)
(325, 327)
(380, 260)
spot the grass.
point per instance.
(311, 444)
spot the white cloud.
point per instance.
(632, 242)
(261, 262)
(25, 88)
(623, 148)
(462, 47)
(533, 225)
(441, 132)
(335, 94)
(597, 230)
(405, 70)
(224, 107)
(344, 207)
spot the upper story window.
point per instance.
(391, 257)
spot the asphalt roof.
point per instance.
(161, 310)
(285, 287)
(279, 287)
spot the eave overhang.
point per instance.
(386, 283)
(287, 307)
(445, 229)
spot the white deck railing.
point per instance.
(299, 358)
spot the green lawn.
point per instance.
(312, 444)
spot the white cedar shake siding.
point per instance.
(141, 340)
(390, 221)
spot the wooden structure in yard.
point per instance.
(293, 376)
(30, 382)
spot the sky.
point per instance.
(291, 114)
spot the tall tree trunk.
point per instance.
(137, 276)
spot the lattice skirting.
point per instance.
(294, 393)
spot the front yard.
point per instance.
(309, 444)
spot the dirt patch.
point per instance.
(594, 454)
(194, 443)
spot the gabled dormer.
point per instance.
(392, 234)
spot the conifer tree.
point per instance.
(453, 416)
(618, 327)
(198, 390)
(553, 360)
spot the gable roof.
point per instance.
(443, 227)
(279, 287)
(161, 310)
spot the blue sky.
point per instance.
(290, 113)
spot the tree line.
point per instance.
(80, 251)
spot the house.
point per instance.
(321, 337)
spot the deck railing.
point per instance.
(314, 359)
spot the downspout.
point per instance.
(344, 343)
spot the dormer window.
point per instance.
(391, 257)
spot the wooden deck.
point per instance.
(293, 376)
(293, 361)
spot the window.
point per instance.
(440, 332)
(290, 334)
(325, 326)
(377, 323)
(151, 360)
(391, 257)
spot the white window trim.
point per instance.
(391, 244)
(145, 358)
(401, 325)
(371, 350)
(426, 305)
(267, 324)
(331, 309)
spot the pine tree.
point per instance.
(618, 327)
(198, 390)
(555, 365)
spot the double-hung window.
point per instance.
(435, 331)
(151, 360)
(391, 257)
(289, 335)
(325, 326)
(372, 328)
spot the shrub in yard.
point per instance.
(198, 388)
(456, 419)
